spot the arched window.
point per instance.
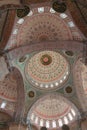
(41, 122)
(60, 123)
(73, 112)
(41, 9)
(47, 124)
(32, 116)
(66, 120)
(36, 120)
(53, 124)
(70, 116)
(52, 10)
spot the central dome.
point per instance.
(47, 69)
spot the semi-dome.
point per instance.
(52, 110)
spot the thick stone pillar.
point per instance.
(17, 127)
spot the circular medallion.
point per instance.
(69, 53)
(46, 59)
(68, 89)
(47, 70)
(22, 59)
(59, 6)
(31, 94)
(23, 12)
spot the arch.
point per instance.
(51, 45)
(6, 112)
(78, 84)
(77, 17)
(20, 94)
(42, 109)
(8, 27)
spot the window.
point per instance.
(36, 84)
(41, 122)
(3, 104)
(36, 120)
(46, 86)
(66, 120)
(70, 116)
(52, 10)
(73, 112)
(20, 21)
(41, 85)
(53, 124)
(61, 81)
(15, 31)
(51, 86)
(56, 83)
(63, 15)
(64, 77)
(41, 10)
(32, 116)
(47, 124)
(71, 24)
(60, 123)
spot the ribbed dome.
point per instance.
(47, 70)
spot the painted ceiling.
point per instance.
(44, 25)
(37, 49)
(47, 109)
(47, 69)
